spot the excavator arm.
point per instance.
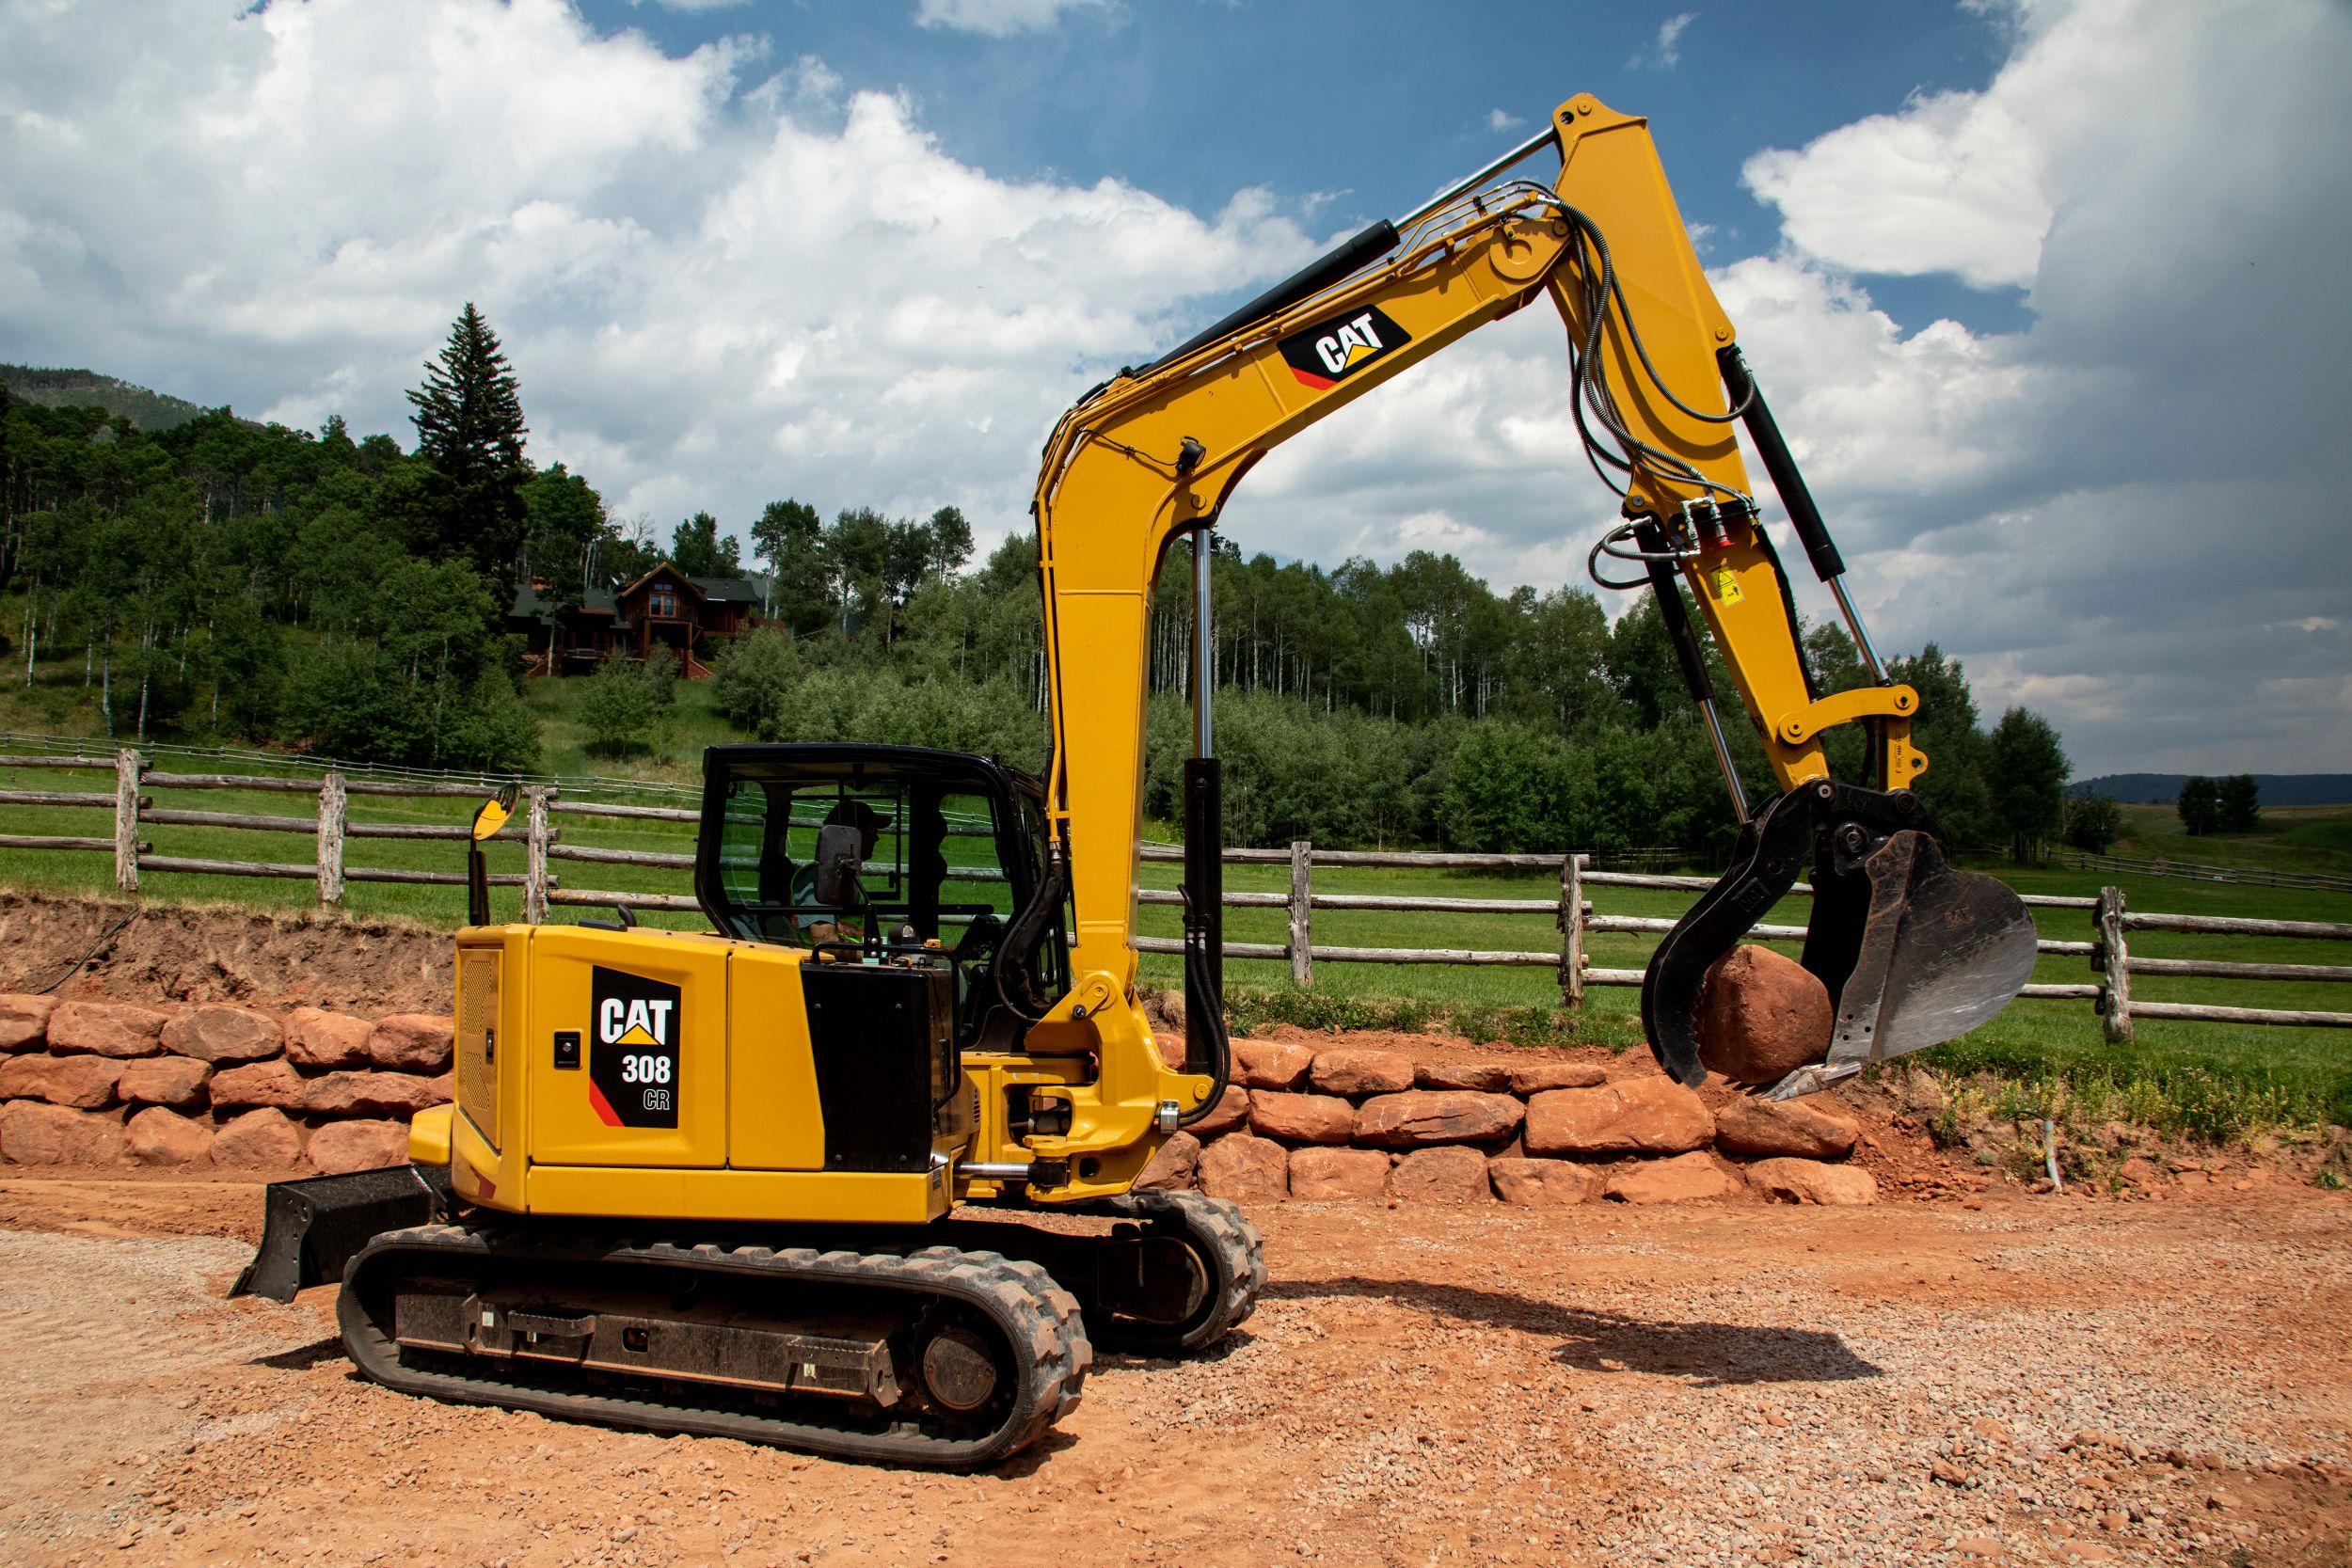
(1658, 387)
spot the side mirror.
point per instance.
(494, 813)
(839, 852)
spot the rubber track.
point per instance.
(1039, 1318)
(1239, 1257)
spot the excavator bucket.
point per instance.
(1912, 950)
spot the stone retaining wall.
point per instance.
(217, 1085)
(87, 1083)
(1348, 1123)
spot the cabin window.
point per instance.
(664, 603)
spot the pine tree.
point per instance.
(469, 428)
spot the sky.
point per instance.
(2046, 293)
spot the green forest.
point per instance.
(174, 575)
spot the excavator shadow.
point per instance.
(303, 1357)
(1713, 1354)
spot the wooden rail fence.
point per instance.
(2107, 949)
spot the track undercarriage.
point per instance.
(947, 1347)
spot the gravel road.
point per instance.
(2017, 1380)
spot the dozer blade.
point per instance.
(311, 1229)
(1913, 951)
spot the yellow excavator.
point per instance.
(855, 1172)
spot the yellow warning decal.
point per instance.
(1726, 586)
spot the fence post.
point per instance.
(1302, 913)
(1572, 931)
(535, 848)
(2115, 976)
(332, 802)
(127, 819)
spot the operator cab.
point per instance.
(953, 849)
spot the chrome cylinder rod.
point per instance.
(1460, 188)
(1723, 759)
(1861, 638)
(1203, 645)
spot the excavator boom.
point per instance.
(1658, 387)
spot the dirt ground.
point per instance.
(2010, 1378)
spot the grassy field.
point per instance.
(2292, 838)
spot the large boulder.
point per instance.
(370, 1094)
(1420, 1117)
(1651, 1115)
(316, 1038)
(1246, 1169)
(342, 1147)
(1362, 1071)
(1477, 1077)
(1798, 1126)
(1451, 1174)
(24, 1020)
(1762, 1016)
(1695, 1178)
(159, 1138)
(1529, 1078)
(1322, 1175)
(85, 1083)
(412, 1043)
(164, 1080)
(1227, 1114)
(34, 1133)
(266, 1139)
(1173, 1166)
(1539, 1183)
(1307, 1118)
(218, 1032)
(272, 1082)
(106, 1029)
(1790, 1180)
(1271, 1065)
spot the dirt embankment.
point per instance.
(136, 950)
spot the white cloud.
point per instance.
(692, 4)
(1664, 51)
(997, 18)
(1503, 120)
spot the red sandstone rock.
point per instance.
(1174, 1166)
(1418, 1116)
(1362, 1071)
(342, 1147)
(1246, 1169)
(266, 1139)
(1230, 1112)
(24, 1021)
(1649, 1115)
(217, 1032)
(1811, 1181)
(258, 1084)
(315, 1037)
(1449, 1175)
(412, 1043)
(1307, 1118)
(105, 1029)
(85, 1083)
(163, 1081)
(1539, 1183)
(1271, 1065)
(1798, 1126)
(1323, 1175)
(1686, 1179)
(1762, 1016)
(35, 1134)
(1478, 1077)
(1171, 1048)
(370, 1094)
(159, 1138)
(1535, 1077)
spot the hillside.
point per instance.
(2277, 789)
(71, 388)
